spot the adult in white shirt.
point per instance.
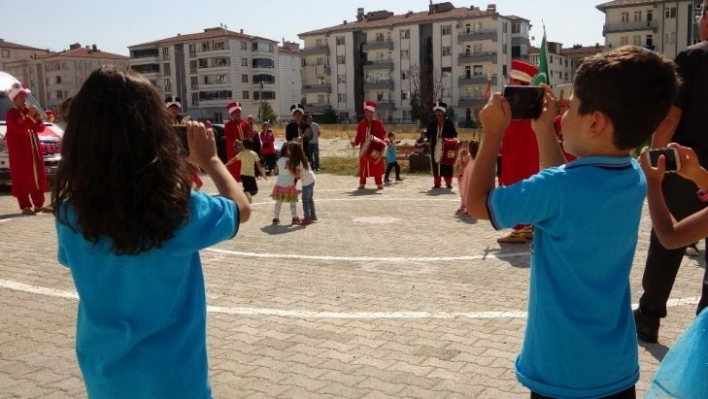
(314, 145)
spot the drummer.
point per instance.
(371, 136)
(438, 130)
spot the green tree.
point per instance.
(303, 100)
(330, 115)
(415, 106)
(266, 113)
(450, 114)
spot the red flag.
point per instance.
(487, 89)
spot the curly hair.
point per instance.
(121, 170)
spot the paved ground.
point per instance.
(388, 295)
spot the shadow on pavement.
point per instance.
(275, 230)
(522, 261)
(364, 192)
(658, 351)
(436, 192)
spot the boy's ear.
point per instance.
(599, 123)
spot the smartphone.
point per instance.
(181, 132)
(671, 157)
(526, 101)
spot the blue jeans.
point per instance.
(308, 204)
(315, 154)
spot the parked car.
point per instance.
(49, 139)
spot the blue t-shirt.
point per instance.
(141, 328)
(580, 339)
(391, 152)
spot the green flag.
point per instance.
(542, 74)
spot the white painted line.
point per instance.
(310, 314)
(366, 258)
(5, 220)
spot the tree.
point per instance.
(428, 83)
(450, 114)
(330, 115)
(303, 100)
(415, 106)
(266, 113)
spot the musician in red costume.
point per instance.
(367, 130)
(440, 128)
(519, 151)
(235, 130)
(27, 171)
(268, 147)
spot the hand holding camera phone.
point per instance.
(526, 102)
(672, 161)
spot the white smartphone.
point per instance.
(671, 156)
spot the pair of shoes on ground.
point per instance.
(302, 222)
(379, 187)
(276, 222)
(647, 326)
(387, 180)
(517, 236)
(27, 211)
(436, 186)
(361, 187)
(449, 186)
(461, 211)
(399, 179)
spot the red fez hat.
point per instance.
(370, 105)
(522, 71)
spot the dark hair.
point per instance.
(247, 143)
(121, 170)
(390, 134)
(634, 87)
(474, 148)
(297, 157)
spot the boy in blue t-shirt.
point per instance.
(580, 339)
(391, 157)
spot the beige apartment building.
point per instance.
(563, 62)
(380, 57)
(289, 78)
(209, 69)
(666, 27)
(54, 77)
(11, 52)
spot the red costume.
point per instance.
(235, 131)
(519, 153)
(557, 126)
(367, 167)
(27, 171)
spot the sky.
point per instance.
(115, 25)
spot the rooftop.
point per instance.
(209, 33)
(622, 3)
(76, 51)
(10, 45)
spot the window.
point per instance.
(406, 34)
(271, 49)
(379, 37)
(477, 26)
(244, 61)
(244, 78)
(342, 98)
(637, 16)
(58, 80)
(165, 53)
(318, 43)
(478, 70)
(5, 53)
(504, 28)
(341, 60)
(637, 40)
(245, 95)
(60, 94)
(551, 60)
(670, 12)
(625, 16)
(341, 78)
(405, 55)
(446, 50)
(468, 71)
(379, 96)
(166, 70)
(478, 48)
(446, 30)
(515, 28)
(244, 46)
(624, 40)
(340, 40)
(320, 99)
(405, 75)
(672, 39)
(404, 95)
(320, 61)
(168, 85)
(205, 46)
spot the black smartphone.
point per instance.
(671, 157)
(526, 102)
(181, 132)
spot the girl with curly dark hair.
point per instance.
(130, 227)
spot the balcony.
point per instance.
(471, 101)
(630, 27)
(379, 85)
(385, 105)
(318, 50)
(316, 108)
(475, 80)
(472, 36)
(378, 65)
(483, 56)
(323, 88)
(378, 45)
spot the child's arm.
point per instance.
(262, 170)
(549, 150)
(231, 161)
(670, 233)
(495, 117)
(202, 149)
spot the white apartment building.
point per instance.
(560, 66)
(380, 55)
(54, 77)
(666, 27)
(209, 69)
(290, 80)
(11, 52)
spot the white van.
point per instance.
(50, 138)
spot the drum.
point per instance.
(373, 149)
(449, 151)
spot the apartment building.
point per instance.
(666, 27)
(290, 80)
(209, 69)
(54, 77)
(563, 62)
(11, 52)
(382, 56)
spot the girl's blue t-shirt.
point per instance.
(141, 328)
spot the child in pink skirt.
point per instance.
(466, 152)
(287, 169)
